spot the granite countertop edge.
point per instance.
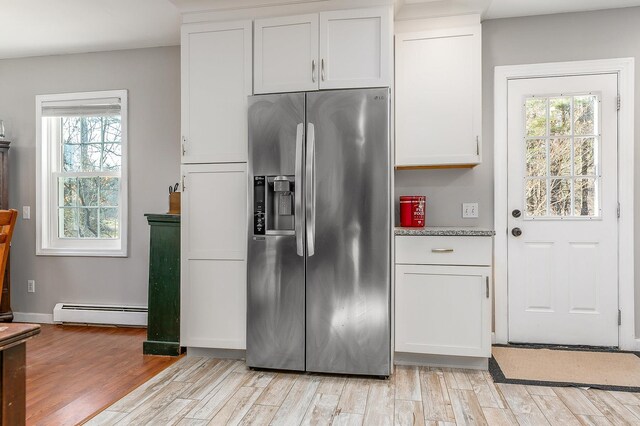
(445, 232)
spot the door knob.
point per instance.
(516, 232)
(516, 213)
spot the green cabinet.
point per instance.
(163, 324)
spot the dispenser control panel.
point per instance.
(259, 223)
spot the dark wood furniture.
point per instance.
(163, 323)
(6, 315)
(13, 369)
(7, 223)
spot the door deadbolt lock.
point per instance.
(516, 232)
(516, 213)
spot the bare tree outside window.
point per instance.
(561, 137)
(88, 201)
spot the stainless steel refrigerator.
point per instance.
(319, 232)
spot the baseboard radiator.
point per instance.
(100, 314)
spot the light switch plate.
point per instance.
(26, 212)
(31, 286)
(469, 210)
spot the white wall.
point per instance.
(152, 77)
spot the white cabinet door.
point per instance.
(213, 267)
(438, 98)
(443, 310)
(355, 48)
(286, 54)
(216, 80)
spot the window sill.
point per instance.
(81, 253)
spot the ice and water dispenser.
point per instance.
(274, 198)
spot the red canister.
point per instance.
(412, 211)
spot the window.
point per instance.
(562, 170)
(82, 174)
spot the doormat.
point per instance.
(605, 369)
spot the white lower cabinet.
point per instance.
(213, 269)
(442, 309)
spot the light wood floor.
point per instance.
(200, 391)
(75, 371)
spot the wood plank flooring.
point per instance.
(75, 371)
(205, 391)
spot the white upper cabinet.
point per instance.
(216, 80)
(330, 50)
(355, 48)
(286, 54)
(438, 98)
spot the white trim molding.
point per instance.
(49, 168)
(33, 317)
(624, 67)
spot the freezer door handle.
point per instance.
(310, 189)
(298, 194)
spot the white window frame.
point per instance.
(47, 241)
(597, 177)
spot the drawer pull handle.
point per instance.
(442, 250)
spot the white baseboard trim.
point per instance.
(239, 354)
(473, 363)
(33, 317)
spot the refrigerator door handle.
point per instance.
(310, 189)
(299, 230)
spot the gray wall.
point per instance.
(564, 37)
(550, 38)
(152, 77)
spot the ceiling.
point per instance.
(513, 8)
(46, 27)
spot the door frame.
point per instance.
(624, 68)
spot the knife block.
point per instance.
(174, 203)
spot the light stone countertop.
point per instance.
(437, 231)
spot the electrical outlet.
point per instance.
(26, 212)
(469, 210)
(31, 286)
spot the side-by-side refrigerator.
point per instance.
(319, 283)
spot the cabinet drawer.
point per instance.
(443, 250)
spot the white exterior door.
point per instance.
(286, 54)
(562, 197)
